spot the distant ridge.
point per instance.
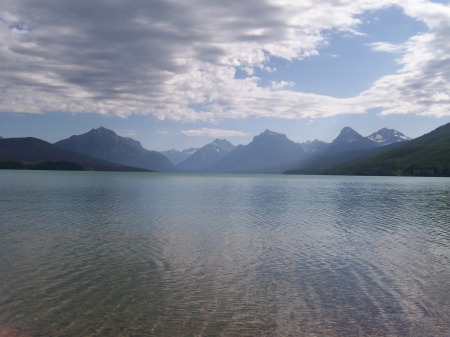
(269, 152)
(177, 157)
(105, 144)
(38, 154)
(428, 155)
(206, 156)
(350, 146)
(314, 147)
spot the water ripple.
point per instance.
(109, 254)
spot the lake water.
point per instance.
(139, 254)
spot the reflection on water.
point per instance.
(127, 254)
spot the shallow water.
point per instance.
(138, 254)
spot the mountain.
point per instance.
(387, 136)
(177, 157)
(314, 147)
(428, 155)
(38, 154)
(269, 152)
(349, 146)
(105, 144)
(206, 156)
(349, 140)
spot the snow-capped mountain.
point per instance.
(387, 136)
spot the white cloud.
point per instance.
(214, 133)
(281, 85)
(387, 47)
(422, 83)
(129, 133)
(163, 58)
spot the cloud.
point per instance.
(387, 47)
(163, 58)
(129, 133)
(281, 85)
(214, 133)
(422, 83)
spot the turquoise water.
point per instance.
(139, 254)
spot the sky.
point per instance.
(178, 74)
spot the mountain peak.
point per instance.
(349, 140)
(177, 157)
(220, 145)
(220, 141)
(269, 152)
(387, 136)
(102, 129)
(348, 135)
(424, 156)
(207, 155)
(268, 134)
(109, 135)
(105, 144)
(314, 147)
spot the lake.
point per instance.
(150, 254)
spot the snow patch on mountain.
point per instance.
(387, 136)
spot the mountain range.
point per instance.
(177, 157)
(428, 155)
(106, 145)
(33, 153)
(206, 156)
(350, 146)
(268, 152)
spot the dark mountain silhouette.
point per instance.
(387, 136)
(35, 153)
(428, 155)
(177, 157)
(206, 156)
(105, 144)
(269, 152)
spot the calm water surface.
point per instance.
(136, 254)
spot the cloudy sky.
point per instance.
(176, 74)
